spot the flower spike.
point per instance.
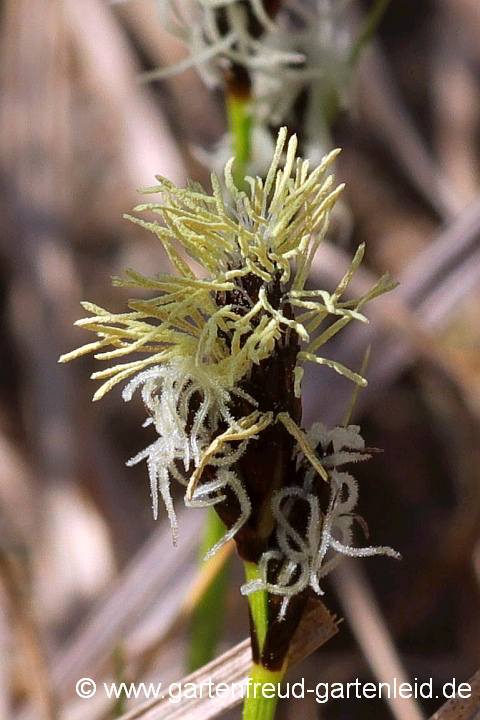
(219, 359)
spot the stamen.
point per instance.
(300, 437)
(247, 427)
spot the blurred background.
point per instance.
(90, 584)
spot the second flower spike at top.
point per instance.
(219, 359)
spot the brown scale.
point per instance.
(267, 464)
(280, 632)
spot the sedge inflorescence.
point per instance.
(219, 365)
(223, 32)
(287, 61)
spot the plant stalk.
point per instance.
(240, 126)
(263, 684)
(368, 30)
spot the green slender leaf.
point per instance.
(206, 623)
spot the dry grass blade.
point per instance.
(373, 636)
(430, 288)
(154, 575)
(27, 635)
(163, 49)
(144, 655)
(447, 270)
(108, 66)
(453, 248)
(232, 668)
(6, 643)
(456, 109)
(386, 112)
(462, 708)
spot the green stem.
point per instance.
(258, 604)
(240, 124)
(368, 30)
(206, 624)
(331, 101)
(261, 696)
(263, 685)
